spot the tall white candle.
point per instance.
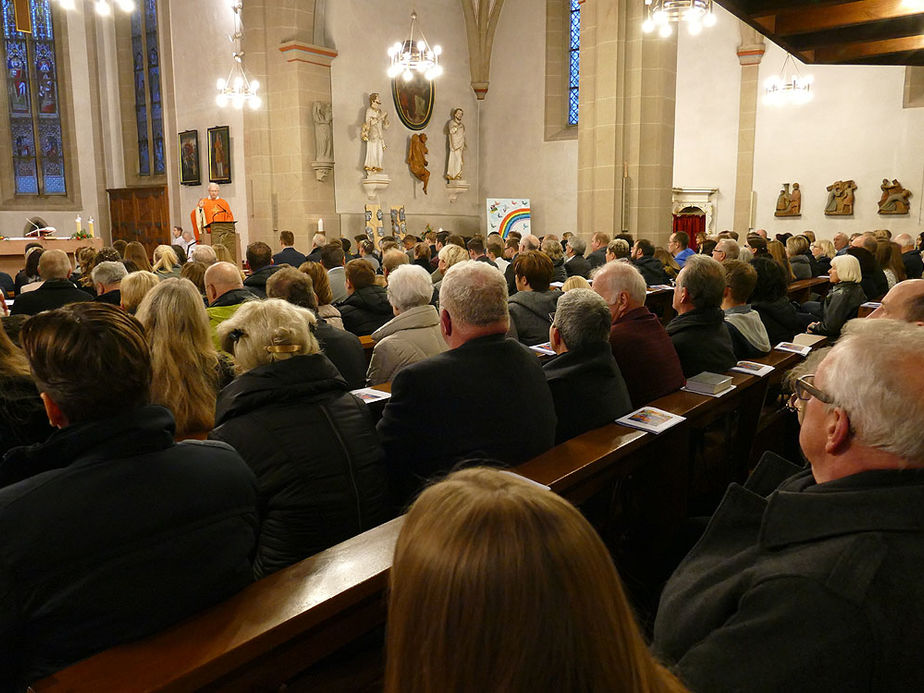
(90, 224)
(320, 225)
(79, 227)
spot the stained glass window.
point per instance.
(574, 60)
(149, 116)
(35, 114)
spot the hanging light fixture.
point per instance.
(103, 7)
(237, 89)
(414, 55)
(788, 89)
(663, 14)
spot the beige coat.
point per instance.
(410, 337)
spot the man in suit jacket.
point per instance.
(598, 245)
(54, 268)
(575, 262)
(332, 259)
(288, 255)
(472, 409)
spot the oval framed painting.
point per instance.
(413, 100)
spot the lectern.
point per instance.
(223, 232)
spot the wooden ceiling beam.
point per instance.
(869, 49)
(804, 20)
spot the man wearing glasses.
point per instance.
(814, 581)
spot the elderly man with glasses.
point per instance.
(810, 579)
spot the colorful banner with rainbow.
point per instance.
(506, 215)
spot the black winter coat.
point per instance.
(319, 464)
(702, 341)
(365, 310)
(23, 420)
(652, 269)
(780, 318)
(256, 282)
(52, 294)
(841, 304)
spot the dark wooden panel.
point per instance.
(140, 214)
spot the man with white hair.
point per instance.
(209, 209)
(414, 333)
(725, 249)
(905, 301)
(841, 243)
(527, 242)
(204, 254)
(809, 578)
(107, 279)
(587, 387)
(318, 241)
(640, 345)
(911, 258)
(57, 290)
(469, 411)
(575, 262)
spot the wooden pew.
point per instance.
(801, 290)
(295, 620)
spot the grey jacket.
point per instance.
(405, 339)
(529, 314)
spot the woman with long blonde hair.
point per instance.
(778, 252)
(134, 287)
(188, 372)
(499, 584)
(166, 264)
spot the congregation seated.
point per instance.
(802, 579)
(643, 257)
(552, 248)
(260, 260)
(905, 301)
(911, 257)
(889, 258)
(29, 273)
(524, 243)
(476, 250)
(107, 279)
(135, 286)
(22, 415)
(599, 247)
(872, 278)
(796, 249)
(320, 284)
(641, 346)
(366, 307)
(342, 348)
(288, 255)
(771, 301)
(225, 293)
(617, 249)
(499, 584)
(188, 370)
(449, 255)
(748, 334)
(533, 305)
(333, 260)
(823, 251)
(843, 300)
(679, 247)
(698, 333)
(367, 253)
(392, 259)
(166, 263)
(203, 253)
(459, 390)
(110, 530)
(414, 333)
(57, 290)
(575, 282)
(136, 253)
(726, 249)
(575, 262)
(312, 445)
(587, 388)
(318, 241)
(671, 268)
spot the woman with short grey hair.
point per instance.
(414, 333)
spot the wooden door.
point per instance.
(140, 214)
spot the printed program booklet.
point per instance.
(650, 419)
(751, 368)
(370, 394)
(545, 349)
(793, 348)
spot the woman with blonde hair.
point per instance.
(312, 445)
(134, 287)
(187, 370)
(551, 246)
(166, 264)
(136, 253)
(778, 252)
(498, 584)
(824, 252)
(671, 268)
(843, 299)
(322, 290)
(575, 282)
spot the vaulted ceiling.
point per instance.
(865, 32)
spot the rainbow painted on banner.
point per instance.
(513, 218)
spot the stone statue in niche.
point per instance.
(455, 128)
(894, 199)
(840, 198)
(322, 114)
(789, 203)
(417, 159)
(373, 134)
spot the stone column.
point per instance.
(627, 102)
(750, 53)
(282, 52)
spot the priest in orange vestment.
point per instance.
(209, 209)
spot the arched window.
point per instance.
(149, 115)
(34, 104)
(574, 60)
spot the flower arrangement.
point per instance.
(78, 235)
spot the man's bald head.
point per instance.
(905, 301)
(529, 242)
(221, 278)
(905, 241)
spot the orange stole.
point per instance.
(213, 210)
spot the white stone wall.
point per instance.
(516, 160)
(361, 31)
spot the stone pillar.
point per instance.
(750, 53)
(281, 51)
(627, 102)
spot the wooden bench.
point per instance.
(296, 620)
(801, 290)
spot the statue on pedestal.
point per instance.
(456, 131)
(373, 134)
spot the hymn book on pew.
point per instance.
(711, 384)
(793, 348)
(370, 395)
(650, 419)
